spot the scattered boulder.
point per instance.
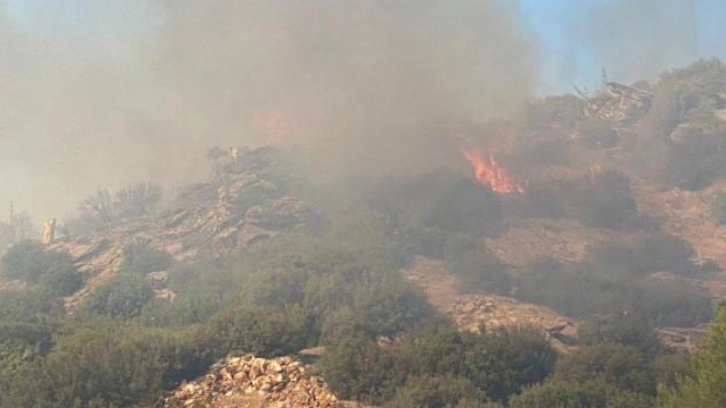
(248, 381)
(473, 312)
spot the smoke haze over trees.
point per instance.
(134, 91)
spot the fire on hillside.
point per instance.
(488, 171)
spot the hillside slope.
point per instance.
(247, 202)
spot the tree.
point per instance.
(98, 206)
(23, 226)
(706, 387)
(137, 200)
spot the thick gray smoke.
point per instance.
(100, 95)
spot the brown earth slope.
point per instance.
(564, 240)
(472, 312)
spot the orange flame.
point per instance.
(488, 171)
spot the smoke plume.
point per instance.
(101, 94)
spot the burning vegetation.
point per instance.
(488, 171)
(357, 242)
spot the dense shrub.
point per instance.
(499, 364)
(61, 280)
(573, 289)
(623, 367)
(604, 200)
(705, 388)
(29, 261)
(442, 200)
(669, 368)
(627, 329)
(582, 290)
(97, 364)
(676, 302)
(266, 333)
(561, 394)
(698, 160)
(123, 296)
(358, 369)
(435, 392)
(655, 252)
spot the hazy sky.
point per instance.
(631, 39)
(568, 50)
(103, 93)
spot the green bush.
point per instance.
(654, 252)
(623, 367)
(668, 369)
(98, 364)
(265, 333)
(560, 394)
(499, 364)
(54, 271)
(574, 289)
(123, 296)
(435, 392)
(705, 387)
(676, 302)
(626, 329)
(61, 280)
(698, 160)
(357, 368)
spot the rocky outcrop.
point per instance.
(684, 340)
(248, 381)
(472, 312)
(618, 103)
(247, 201)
